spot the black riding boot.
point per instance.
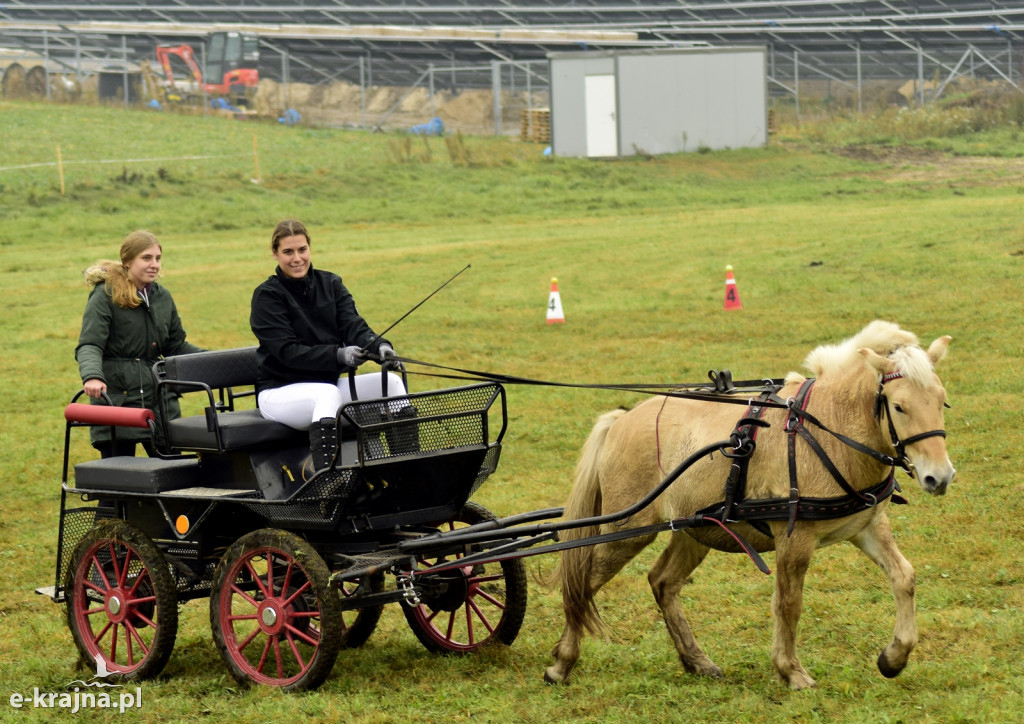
(334, 487)
(323, 443)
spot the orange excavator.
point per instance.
(232, 61)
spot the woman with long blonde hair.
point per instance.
(130, 322)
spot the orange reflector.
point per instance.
(181, 524)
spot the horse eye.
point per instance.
(898, 409)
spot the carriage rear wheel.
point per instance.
(361, 622)
(275, 618)
(462, 609)
(122, 604)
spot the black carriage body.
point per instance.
(404, 463)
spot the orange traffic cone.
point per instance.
(555, 314)
(732, 294)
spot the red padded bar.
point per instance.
(107, 415)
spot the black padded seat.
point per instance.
(238, 430)
(136, 475)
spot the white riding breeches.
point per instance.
(301, 404)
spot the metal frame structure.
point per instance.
(377, 42)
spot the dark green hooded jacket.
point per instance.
(120, 346)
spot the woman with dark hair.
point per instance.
(310, 335)
(130, 322)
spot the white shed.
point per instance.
(625, 103)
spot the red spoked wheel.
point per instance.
(122, 604)
(275, 618)
(360, 622)
(462, 609)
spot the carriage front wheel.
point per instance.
(122, 605)
(275, 618)
(462, 609)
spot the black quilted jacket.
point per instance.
(300, 324)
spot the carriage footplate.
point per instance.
(318, 504)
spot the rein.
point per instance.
(721, 383)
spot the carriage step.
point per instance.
(361, 561)
(51, 592)
(357, 566)
(200, 492)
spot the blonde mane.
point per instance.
(883, 338)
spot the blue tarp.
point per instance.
(290, 118)
(433, 128)
(222, 104)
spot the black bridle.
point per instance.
(900, 446)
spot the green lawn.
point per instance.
(822, 240)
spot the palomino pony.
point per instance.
(822, 447)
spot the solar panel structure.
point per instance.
(844, 42)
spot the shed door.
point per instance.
(602, 130)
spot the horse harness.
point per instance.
(735, 507)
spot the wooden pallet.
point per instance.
(536, 125)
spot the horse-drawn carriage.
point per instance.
(299, 564)
(234, 512)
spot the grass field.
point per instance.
(823, 237)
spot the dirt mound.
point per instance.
(473, 107)
(341, 104)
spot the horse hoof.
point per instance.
(703, 666)
(551, 677)
(804, 683)
(797, 680)
(888, 670)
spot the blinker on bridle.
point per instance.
(900, 445)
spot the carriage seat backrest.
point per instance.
(222, 428)
(218, 369)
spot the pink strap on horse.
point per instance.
(107, 415)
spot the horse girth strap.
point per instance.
(744, 442)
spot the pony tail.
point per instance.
(575, 564)
(115, 279)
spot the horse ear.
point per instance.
(883, 365)
(938, 348)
